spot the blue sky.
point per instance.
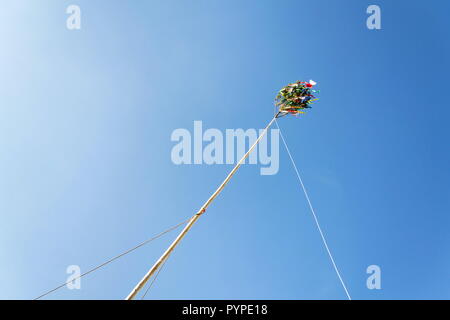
(85, 124)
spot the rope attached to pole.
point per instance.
(194, 218)
(114, 258)
(314, 214)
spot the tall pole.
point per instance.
(195, 217)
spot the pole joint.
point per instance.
(200, 212)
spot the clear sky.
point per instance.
(85, 169)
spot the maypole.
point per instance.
(291, 99)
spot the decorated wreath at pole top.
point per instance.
(296, 97)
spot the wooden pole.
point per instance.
(194, 218)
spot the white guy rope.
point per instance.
(313, 213)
